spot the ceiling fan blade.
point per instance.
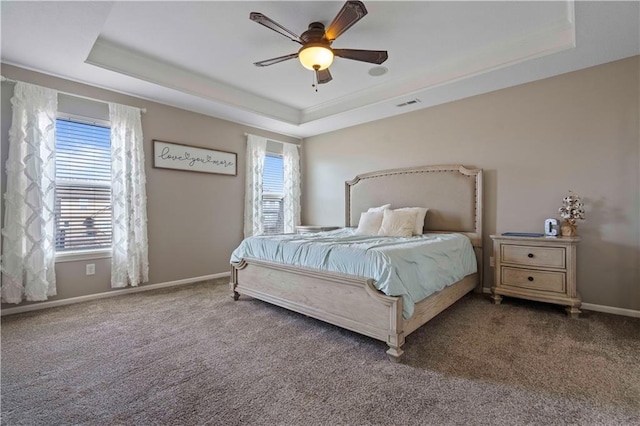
(273, 25)
(323, 76)
(272, 61)
(351, 12)
(371, 56)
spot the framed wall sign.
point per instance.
(169, 155)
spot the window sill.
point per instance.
(74, 256)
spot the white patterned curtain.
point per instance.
(129, 259)
(28, 250)
(291, 168)
(256, 153)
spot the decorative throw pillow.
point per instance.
(379, 209)
(398, 223)
(422, 213)
(369, 223)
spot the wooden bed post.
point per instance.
(233, 282)
(395, 339)
(395, 353)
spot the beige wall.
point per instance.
(577, 131)
(195, 220)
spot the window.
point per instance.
(272, 194)
(83, 185)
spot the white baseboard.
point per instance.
(611, 310)
(113, 293)
(598, 308)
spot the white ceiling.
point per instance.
(199, 55)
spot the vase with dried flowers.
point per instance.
(572, 209)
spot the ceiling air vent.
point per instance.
(411, 102)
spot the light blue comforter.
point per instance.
(411, 267)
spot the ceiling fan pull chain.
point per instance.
(315, 78)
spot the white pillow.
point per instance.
(379, 209)
(398, 223)
(369, 223)
(421, 214)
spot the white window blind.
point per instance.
(272, 194)
(83, 186)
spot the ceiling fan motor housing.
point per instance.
(315, 34)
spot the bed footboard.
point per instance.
(343, 300)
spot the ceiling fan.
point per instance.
(316, 53)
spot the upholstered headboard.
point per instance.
(452, 193)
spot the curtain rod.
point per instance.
(9, 80)
(272, 140)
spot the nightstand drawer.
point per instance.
(550, 257)
(535, 280)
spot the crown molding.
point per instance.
(555, 38)
(113, 57)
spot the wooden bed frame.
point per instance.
(453, 195)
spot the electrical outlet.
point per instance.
(492, 261)
(91, 268)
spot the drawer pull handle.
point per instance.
(530, 278)
(530, 255)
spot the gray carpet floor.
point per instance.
(190, 355)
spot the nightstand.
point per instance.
(308, 229)
(537, 268)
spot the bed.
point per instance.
(453, 194)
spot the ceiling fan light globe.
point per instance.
(315, 57)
